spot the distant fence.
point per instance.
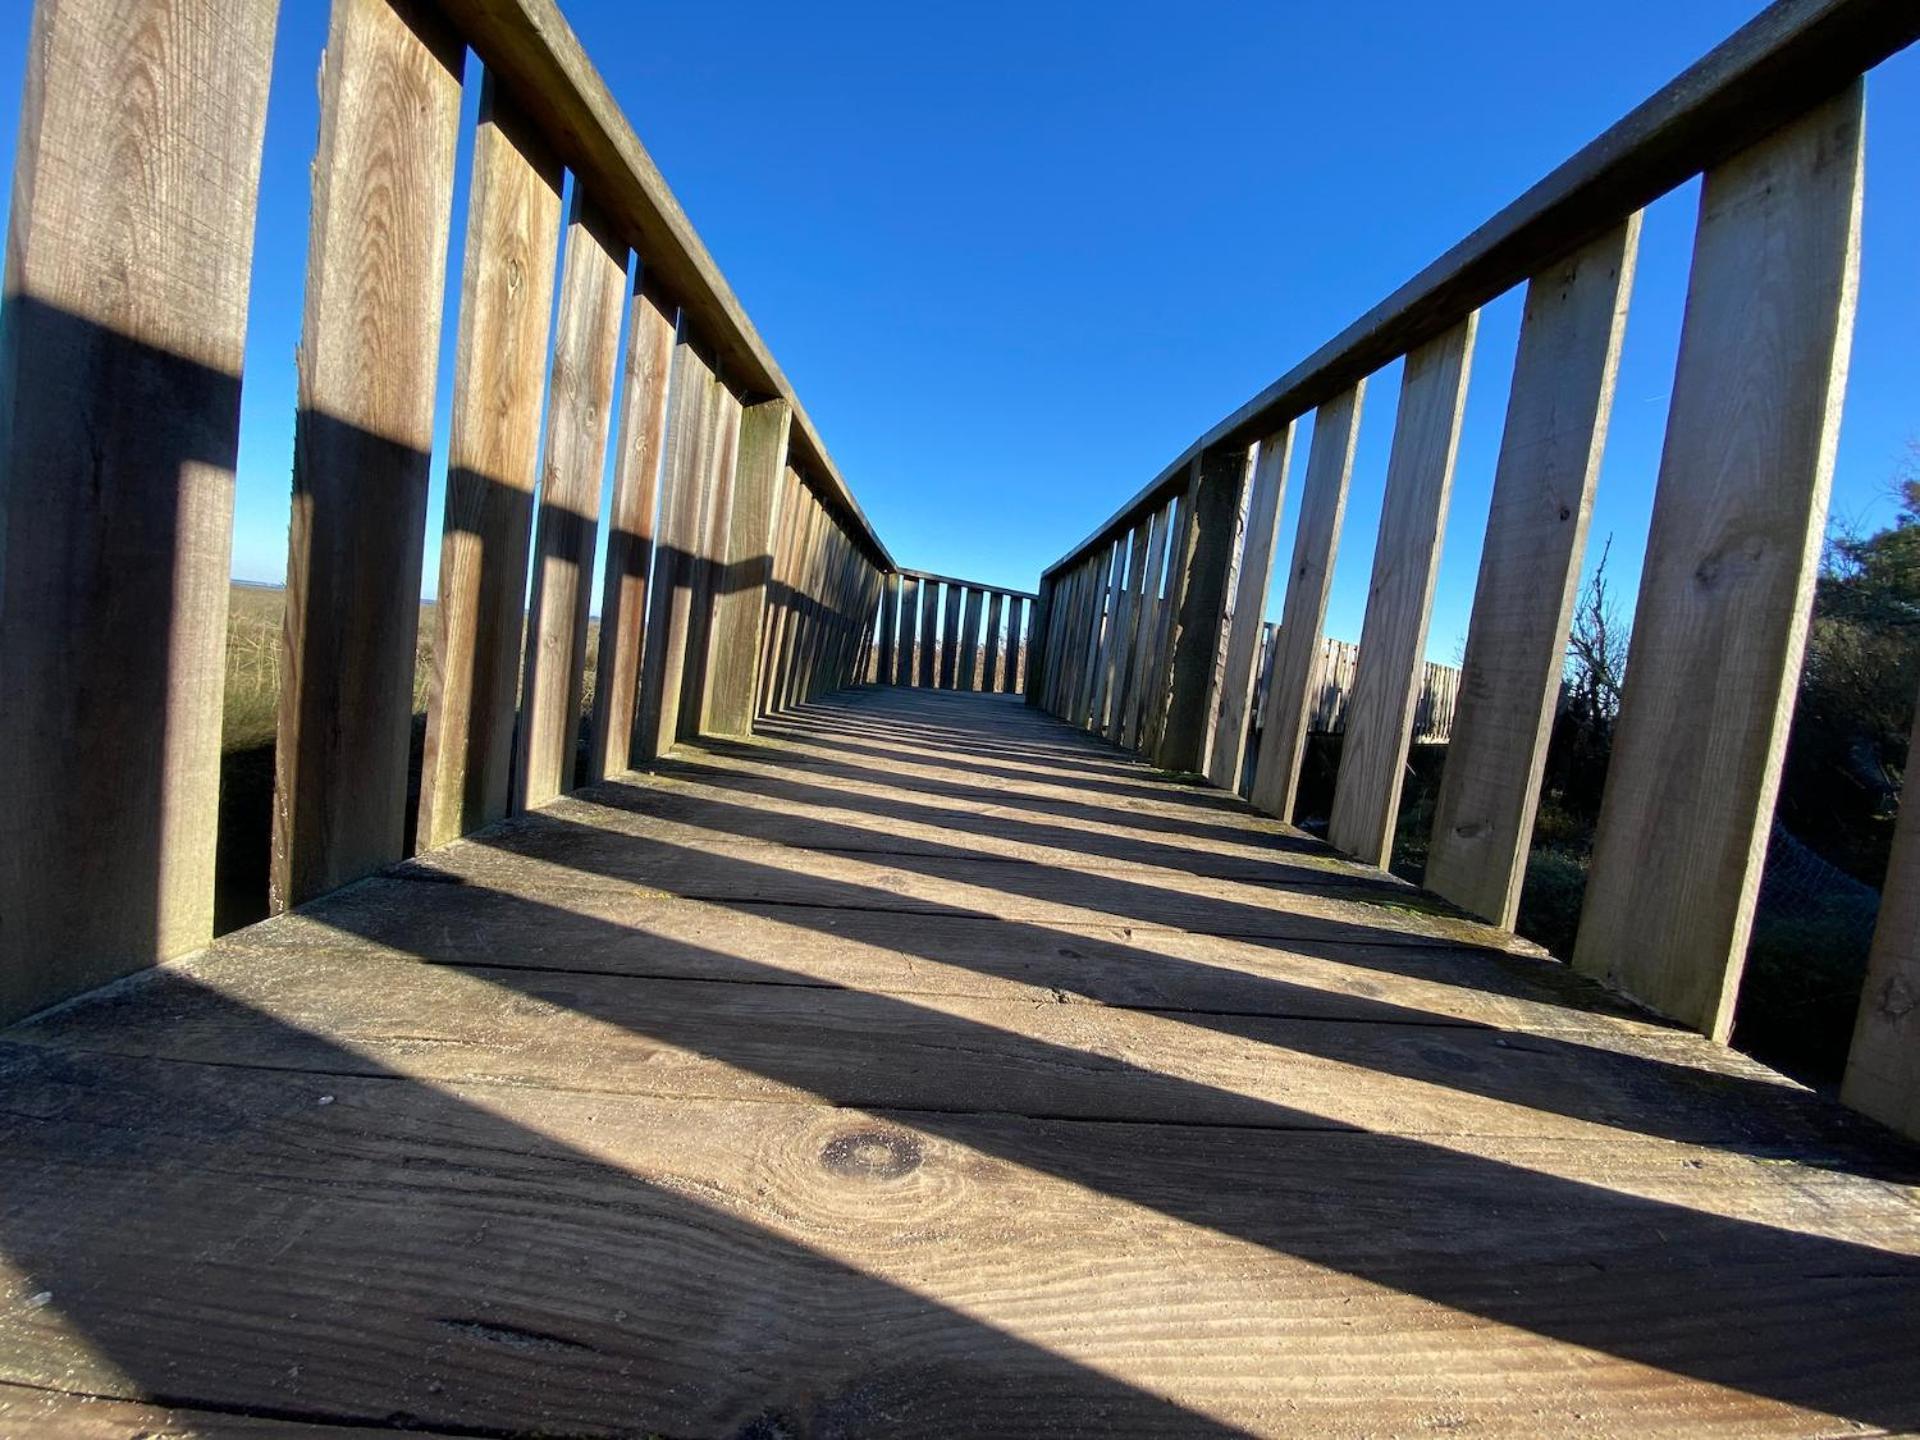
(1332, 690)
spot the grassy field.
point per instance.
(256, 614)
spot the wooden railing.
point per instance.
(936, 631)
(1148, 627)
(125, 318)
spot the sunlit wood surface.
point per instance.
(923, 1067)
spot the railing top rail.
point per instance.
(532, 50)
(1787, 59)
(970, 584)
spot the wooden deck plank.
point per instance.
(528, 1259)
(923, 1066)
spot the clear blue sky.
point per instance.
(1015, 257)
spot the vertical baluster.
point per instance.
(1011, 681)
(991, 677)
(629, 563)
(929, 630)
(970, 641)
(889, 628)
(121, 340)
(1199, 581)
(1247, 607)
(1093, 628)
(1146, 628)
(709, 560)
(1106, 648)
(669, 608)
(1728, 580)
(1413, 518)
(908, 668)
(1529, 571)
(746, 569)
(1154, 699)
(1883, 1067)
(506, 296)
(780, 608)
(579, 415)
(370, 339)
(1291, 683)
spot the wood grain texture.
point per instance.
(1543, 486)
(121, 340)
(1323, 507)
(586, 348)
(1883, 1065)
(370, 340)
(1126, 634)
(1246, 613)
(493, 457)
(1146, 631)
(747, 569)
(651, 330)
(887, 670)
(1727, 585)
(787, 527)
(709, 560)
(669, 607)
(546, 1153)
(1406, 557)
(1155, 699)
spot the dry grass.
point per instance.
(255, 616)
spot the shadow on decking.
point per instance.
(561, 1241)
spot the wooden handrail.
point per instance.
(531, 49)
(1791, 56)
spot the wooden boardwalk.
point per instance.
(923, 1067)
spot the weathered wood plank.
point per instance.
(595, 1264)
(493, 457)
(644, 402)
(997, 669)
(1145, 632)
(669, 608)
(1157, 697)
(1543, 485)
(1201, 574)
(970, 641)
(1883, 1067)
(887, 668)
(121, 340)
(950, 604)
(1106, 650)
(908, 673)
(1406, 557)
(780, 616)
(1728, 578)
(1239, 658)
(370, 339)
(741, 588)
(1323, 508)
(929, 631)
(1014, 680)
(709, 561)
(579, 416)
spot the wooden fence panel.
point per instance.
(370, 340)
(500, 365)
(1529, 572)
(1728, 579)
(1413, 517)
(128, 248)
(1247, 608)
(579, 414)
(1288, 712)
(629, 566)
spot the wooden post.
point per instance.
(1393, 637)
(990, 672)
(949, 635)
(1529, 573)
(788, 528)
(1154, 697)
(929, 629)
(1011, 680)
(709, 559)
(908, 671)
(740, 602)
(500, 366)
(1247, 608)
(1883, 1067)
(1141, 671)
(663, 660)
(579, 415)
(970, 641)
(370, 341)
(1290, 683)
(889, 628)
(1203, 565)
(1728, 579)
(1037, 643)
(629, 563)
(121, 340)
